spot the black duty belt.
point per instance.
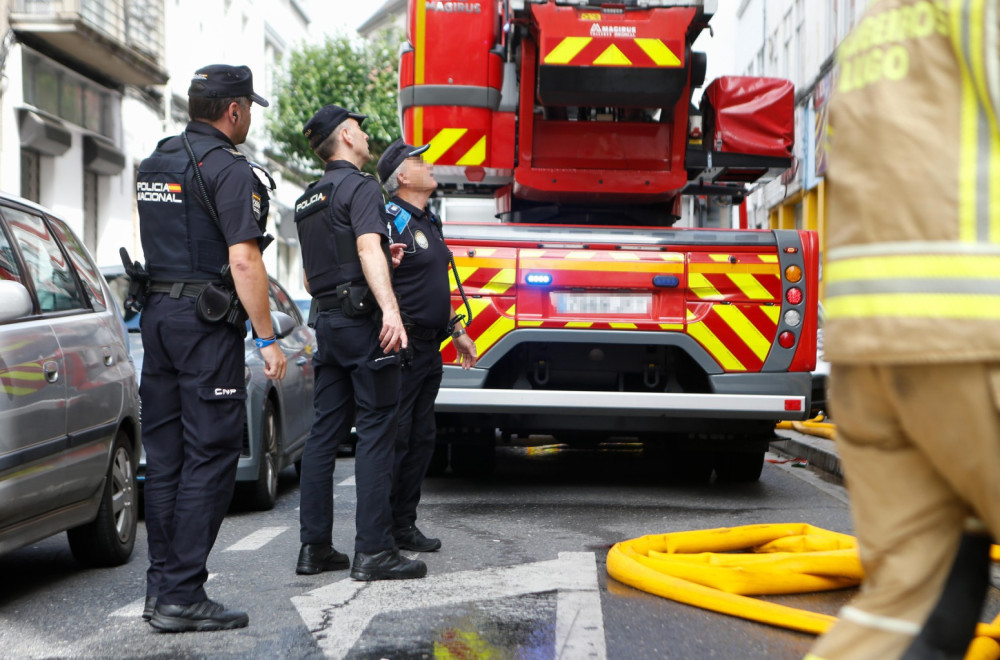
(420, 332)
(178, 289)
(326, 303)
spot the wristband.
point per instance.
(458, 332)
(261, 343)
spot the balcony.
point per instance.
(121, 40)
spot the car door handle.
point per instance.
(301, 361)
(51, 369)
(109, 358)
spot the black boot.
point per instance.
(206, 615)
(386, 565)
(318, 557)
(148, 608)
(411, 538)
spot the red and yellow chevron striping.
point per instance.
(623, 52)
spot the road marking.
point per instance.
(257, 540)
(135, 607)
(339, 613)
(349, 481)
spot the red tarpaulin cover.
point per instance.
(751, 115)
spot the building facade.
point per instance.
(90, 86)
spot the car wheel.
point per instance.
(739, 467)
(265, 489)
(679, 465)
(109, 539)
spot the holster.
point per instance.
(219, 303)
(356, 300)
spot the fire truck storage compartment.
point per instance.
(747, 115)
(637, 58)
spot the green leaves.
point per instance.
(360, 75)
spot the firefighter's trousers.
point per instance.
(920, 447)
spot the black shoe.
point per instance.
(386, 565)
(411, 538)
(147, 610)
(318, 557)
(206, 615)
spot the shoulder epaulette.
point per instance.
(234, 152)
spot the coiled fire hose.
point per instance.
(703, 568)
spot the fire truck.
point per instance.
(594, 316)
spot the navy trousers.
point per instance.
(356, 383)
(417, 433)
(193, 412)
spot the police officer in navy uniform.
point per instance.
(421, 283)
(346, 256)
(201, 208)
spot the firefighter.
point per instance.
(912, 324)
(421, 284)
(345, 252)
(201, 208)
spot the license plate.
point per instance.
(602, 303)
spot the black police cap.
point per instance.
(394, 155)
(221, 81)
(325, 121)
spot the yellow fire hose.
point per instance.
(815, 426)
(779, 559)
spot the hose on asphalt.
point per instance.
(815, 426)
(703, 568)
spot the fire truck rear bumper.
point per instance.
(638, 404)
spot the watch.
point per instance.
(458, 332)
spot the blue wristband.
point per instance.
(261, 343)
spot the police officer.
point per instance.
(201, 208)
(346, 256)
(912, 330)
(421, 283)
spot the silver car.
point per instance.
(69, 400)
(279, 413)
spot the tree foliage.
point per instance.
(359, 75)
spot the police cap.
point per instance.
(325, 121)
(394, 155)
(221, 81)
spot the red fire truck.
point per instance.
(593, 315)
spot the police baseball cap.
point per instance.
(394, 155)
(325, 121)
(221, 81)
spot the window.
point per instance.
(31, 174)
(47, 268)
(90, 182)
(59, 91)
(9, 269)
(85, 268)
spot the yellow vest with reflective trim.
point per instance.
(913, 242)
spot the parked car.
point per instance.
(69, 400)
(279, 413)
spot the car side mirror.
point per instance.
(15, 301)
(283, 324)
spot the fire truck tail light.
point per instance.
(786, 339)
(794, 296)
(538, 279)
(793, 274)
(793, 404)
(791, 250)
(793, 318)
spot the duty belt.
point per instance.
(325, 303)
(178, 289)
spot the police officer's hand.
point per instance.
(274, 361)
(396, 251)
(466, 349)
(393, 335)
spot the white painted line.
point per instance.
(338, 613)
(257, 540)
(349, 481)
(135, 607)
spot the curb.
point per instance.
(820, 452)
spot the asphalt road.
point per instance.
(521, 575)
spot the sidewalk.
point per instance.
(820, 452)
